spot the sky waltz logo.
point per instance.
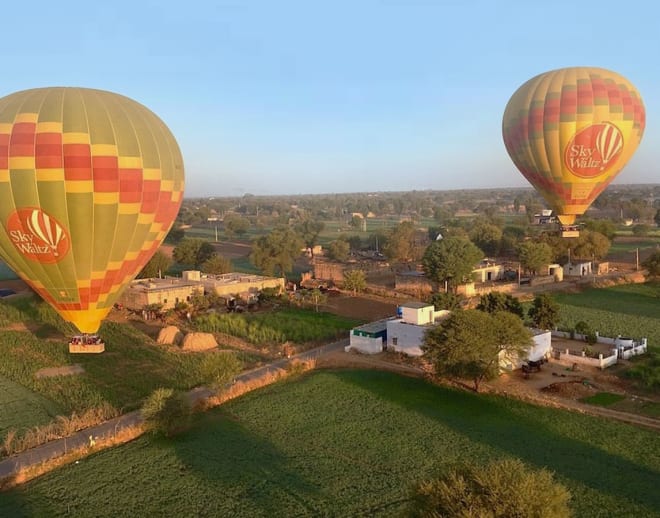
(37, 235)
(594, 150)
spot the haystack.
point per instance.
(198, 342)
(170, 335)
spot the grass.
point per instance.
(603, 399)
(628, 310)
(347, 444)
(289, 324)
(22, 408)
(130, 369)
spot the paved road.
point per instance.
(59, 447)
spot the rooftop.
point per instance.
(415, 305)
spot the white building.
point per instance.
(406, 334)
(542, 349)
(368, 338)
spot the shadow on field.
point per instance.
(256, 479)
(508, 426)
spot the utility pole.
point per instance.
(636, 259)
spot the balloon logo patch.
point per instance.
(593, 150)
(37, 235)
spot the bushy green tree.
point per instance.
(156, 267)
(166, 412)
(451, 260)
(445, 300)
(467, 344)
(502, 489)
(400, 245)
(218, 368)
(486, 236)
(652, 266)
(276, 251)
(192, 252)
(534, 255)
(216, 265)
(235, 225)
(355, 280)
(497, 301)
(338, 250)
(309, 230)
(544, 312)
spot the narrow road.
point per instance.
(57, 448)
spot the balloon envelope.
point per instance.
(90, 184)
(571, 131)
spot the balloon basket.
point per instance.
(571, 231)
(86, 345)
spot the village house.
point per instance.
(170, 291)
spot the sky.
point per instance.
(297, 97)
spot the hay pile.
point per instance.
(198, 342)
(169, 335)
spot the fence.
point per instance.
(623, 347)
(581, 357)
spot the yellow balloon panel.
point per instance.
(571, 131)
(90, 184)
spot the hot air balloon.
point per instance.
(570, 132)
(90, 184)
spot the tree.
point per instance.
(656, 218)
(641, 230)
(501, 489)
(217, 368)
(216, 265)
(235, 225)
(544, 312)
(591, 245)
(468, 344)
(309, 230)
(603, 226)
(446, 300)
(192, 252)
(486, 236)
(166, 412)
(338, 250)
(400, 245)
(355, 280)
(534, 255)
(175, 235)
(156, 267)
(451, 260)
(652, 265)
(497, 301)
(317, 298)
(276, 251)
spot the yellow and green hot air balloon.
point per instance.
(90, 184)
(570, 132)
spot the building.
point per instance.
(242, 285)
(368, 338)
(406, 333)
(541, 350)
(580, 269)
(168, 292)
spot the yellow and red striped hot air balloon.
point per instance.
(570, 132)
(90, 184)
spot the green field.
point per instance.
(287, 324)
(347, 444)
(628, 310)
(132, 366)
(21, 408)
(603, 399)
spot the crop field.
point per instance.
(347, 443)
(628, 310)
(288, 324)
(21, 408)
